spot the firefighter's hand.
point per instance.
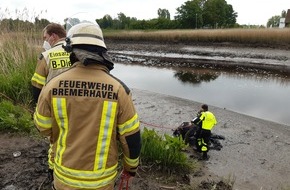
(127, 174)
(199, 113)
(125, 179)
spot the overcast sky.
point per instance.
(249, 11)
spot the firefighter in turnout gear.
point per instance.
(206, 122)
(53, 60)
(87, 113)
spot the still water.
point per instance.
(263, 95)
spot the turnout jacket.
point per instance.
(50, 63)
(85, 111)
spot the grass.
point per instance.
(14, 118)
(18, 56)
(165, 152)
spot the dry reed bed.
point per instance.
(243, 36)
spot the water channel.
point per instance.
(263, 95)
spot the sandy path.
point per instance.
(256, 152)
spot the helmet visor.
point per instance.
(82, 17)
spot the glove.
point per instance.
(50, 174)
(125, 176)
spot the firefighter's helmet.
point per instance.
(84, 34)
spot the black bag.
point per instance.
(188, 132)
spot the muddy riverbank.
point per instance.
(255, 152)
(204, 55)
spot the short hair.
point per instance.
(55, 28)
(204, 107)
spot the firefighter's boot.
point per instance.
(205, 156)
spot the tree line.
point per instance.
(274, 21)
(8, 25)
(193, 14)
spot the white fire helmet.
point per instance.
(85, 33)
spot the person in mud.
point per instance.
(205, 122)
(89, 115)
(53, 60)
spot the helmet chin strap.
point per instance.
(73, 58)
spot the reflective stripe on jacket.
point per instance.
(208, 120)
(85, 111)
(51, 63)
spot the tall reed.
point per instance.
(18, 56)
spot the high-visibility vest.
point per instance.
(50, 64)
(208, 120)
